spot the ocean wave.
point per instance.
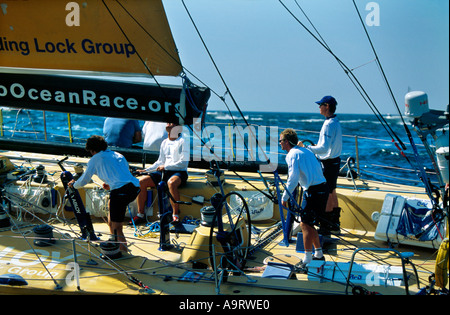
(365, 126)
(355, 121)
(304, 120)
(81, 128)
(228, 117)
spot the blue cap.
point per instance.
(327, 99)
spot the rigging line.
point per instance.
(345, 242)
(111, 263)
(364, 64)
(164, 49)
(212, 59)
(171, 56)
(34, 216)
(139, 56)
(215, 65)
(34, 251)
(342, 66)
(349, 72)
(310, 22)
(365, 97)
(378, 61)
(150, 35)
(408, 132)
(129, 41)
(379, 116)
(384, 75)
(184, 68)
(223, 81)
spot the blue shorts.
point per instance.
(158, 176)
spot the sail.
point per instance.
(61, 56)
(131, 36)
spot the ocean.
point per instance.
(365, 139)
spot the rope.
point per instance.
(228, 91)
(58, 287)
(352, 78)
(1, 122)
(418, 167)
(147, 68)
(29, 119)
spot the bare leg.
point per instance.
(173, 184)
(116, 228)
(144, 182)
(332, 201)
(310, 237)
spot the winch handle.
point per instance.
(214, 166)
(60, 165)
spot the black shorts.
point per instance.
(331, 169)
(156, 176)
(119, 199)
(314, 204)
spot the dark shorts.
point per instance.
(156, 176)
(331, 169)
(314, 204)
(119, 199)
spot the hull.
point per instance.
(74, 266)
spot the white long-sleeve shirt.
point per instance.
(303, 169)
(154, 133)
(173, 155)
(111, 167)
(329, 145)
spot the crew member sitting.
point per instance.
(170, 167)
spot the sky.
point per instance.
(271, 63)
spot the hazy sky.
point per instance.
(271, 63)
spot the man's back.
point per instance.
(120, 132)
(304, 168)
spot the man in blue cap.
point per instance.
(328, 149)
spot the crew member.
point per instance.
(305, 169)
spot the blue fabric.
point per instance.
(12, 280)
(120, 132)
(417, 222)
